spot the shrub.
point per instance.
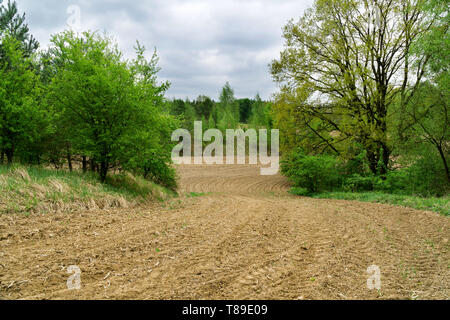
(299, 191)
(158, 170)
(357, 183)
(393, 182)
(315, 173)
(426, 177)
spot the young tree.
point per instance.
(258, 114)
(177, 107)
(203, 106)
(116, 108)
(427, 118)
(228, 109)
(429, 115)
(20, 115)
(354, 59)
(245, 109)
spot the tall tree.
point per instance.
(427, 117)
(117, 109)
(203, 106)
(228, 109)
(245, 109)
(353, 58)
(19, 86)
(13, 24)
(258, 116)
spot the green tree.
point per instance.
(20, 115)
(190, 116)
(117, 108)
(228, 109)
(425, 119)
(245, 109)
(13, 24)
(203, 106)
(177, 107)
(349, 60)
(258, 116)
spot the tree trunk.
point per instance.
(103, 171)
(2, 158)
(92, 165)
(444, 160)
(9, 155)
(386, 156)
(69, 158)
(372, 158)
(84, 164)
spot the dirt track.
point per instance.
(246, 238)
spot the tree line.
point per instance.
(366, 83)
(226, 113)
(81, 99)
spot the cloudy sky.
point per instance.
(201, 43)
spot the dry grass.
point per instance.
(38, 190)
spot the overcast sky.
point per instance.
(201, 43)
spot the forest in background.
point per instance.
(226, 113)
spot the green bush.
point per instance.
(159, 171)
(299, 191)
(358, 183)
(423, 178)
(393, 182)
(315, 173)
(426, 177)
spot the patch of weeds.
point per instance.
(195, 194)
(440, 205)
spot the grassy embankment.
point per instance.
(40, 190)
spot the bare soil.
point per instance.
(245, 238)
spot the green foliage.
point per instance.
(195, 194)
(440, 205)
(115, 109)
(12, 24)
(227, 110)
(421, 176)
(227, 113)
(300, 191)
(22, 119)
(425, 177)
(315, 173)
(339, 75)
(203, 106)
(260, 114)
(357, 183)
(245, 108)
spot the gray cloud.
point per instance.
(201, 44)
